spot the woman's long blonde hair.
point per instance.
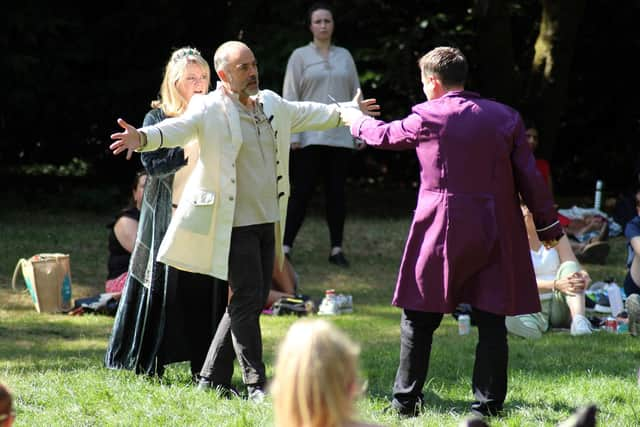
(316, 376)
(171, 102)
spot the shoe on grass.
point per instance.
(580, 325)
(225, 391)
(328, 307)
(632, 305)
(404, 410)
(345, 303)
(480, 409)
(339, 260)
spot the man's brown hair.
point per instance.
(447, 63)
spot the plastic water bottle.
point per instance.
(615, 298)
(597, 200)
(464, 324)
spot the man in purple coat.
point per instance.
(467, 242)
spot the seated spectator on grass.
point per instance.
(284, 283)
(587, 246)
(7, 413)
(581, 229)
(632, 279)
(588, 231)
(588, 238)
(624, 209)
(541, 163)
(561, 284)
(122, 237)
(316, 377)
(585, 234)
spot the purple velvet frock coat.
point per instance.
(467, 241)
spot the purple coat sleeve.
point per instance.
(396, 135)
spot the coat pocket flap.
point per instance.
(203, 198)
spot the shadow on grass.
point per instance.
(42, 342)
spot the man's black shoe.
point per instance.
(339, 260)
(225, 391)
(485, 410)
(474, 422)
(404, 410)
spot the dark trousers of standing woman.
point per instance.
(489, 383)
(251, 258)
(307, 164)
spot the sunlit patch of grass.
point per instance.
(53, 362)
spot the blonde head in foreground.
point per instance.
(316, 377)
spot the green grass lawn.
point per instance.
(53, 363)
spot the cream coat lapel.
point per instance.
(233, 119)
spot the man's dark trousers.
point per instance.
(251, 259)
(489, 381)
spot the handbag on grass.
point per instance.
(47, 277)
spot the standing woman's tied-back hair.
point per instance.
(316, 377)
(319, 5)
(171, 101)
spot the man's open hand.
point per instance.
(128, 140)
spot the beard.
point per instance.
(252, 90)
(246, 89)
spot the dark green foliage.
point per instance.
(70, 71)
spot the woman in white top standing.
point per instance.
(561, 284)
(321, 72)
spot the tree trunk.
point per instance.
(546, 94)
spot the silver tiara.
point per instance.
(186, 52)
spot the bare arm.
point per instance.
(577, 282)
(125, 230)
(635, 245)
(564, 250)
(635, 263)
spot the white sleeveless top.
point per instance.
(545, 264)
